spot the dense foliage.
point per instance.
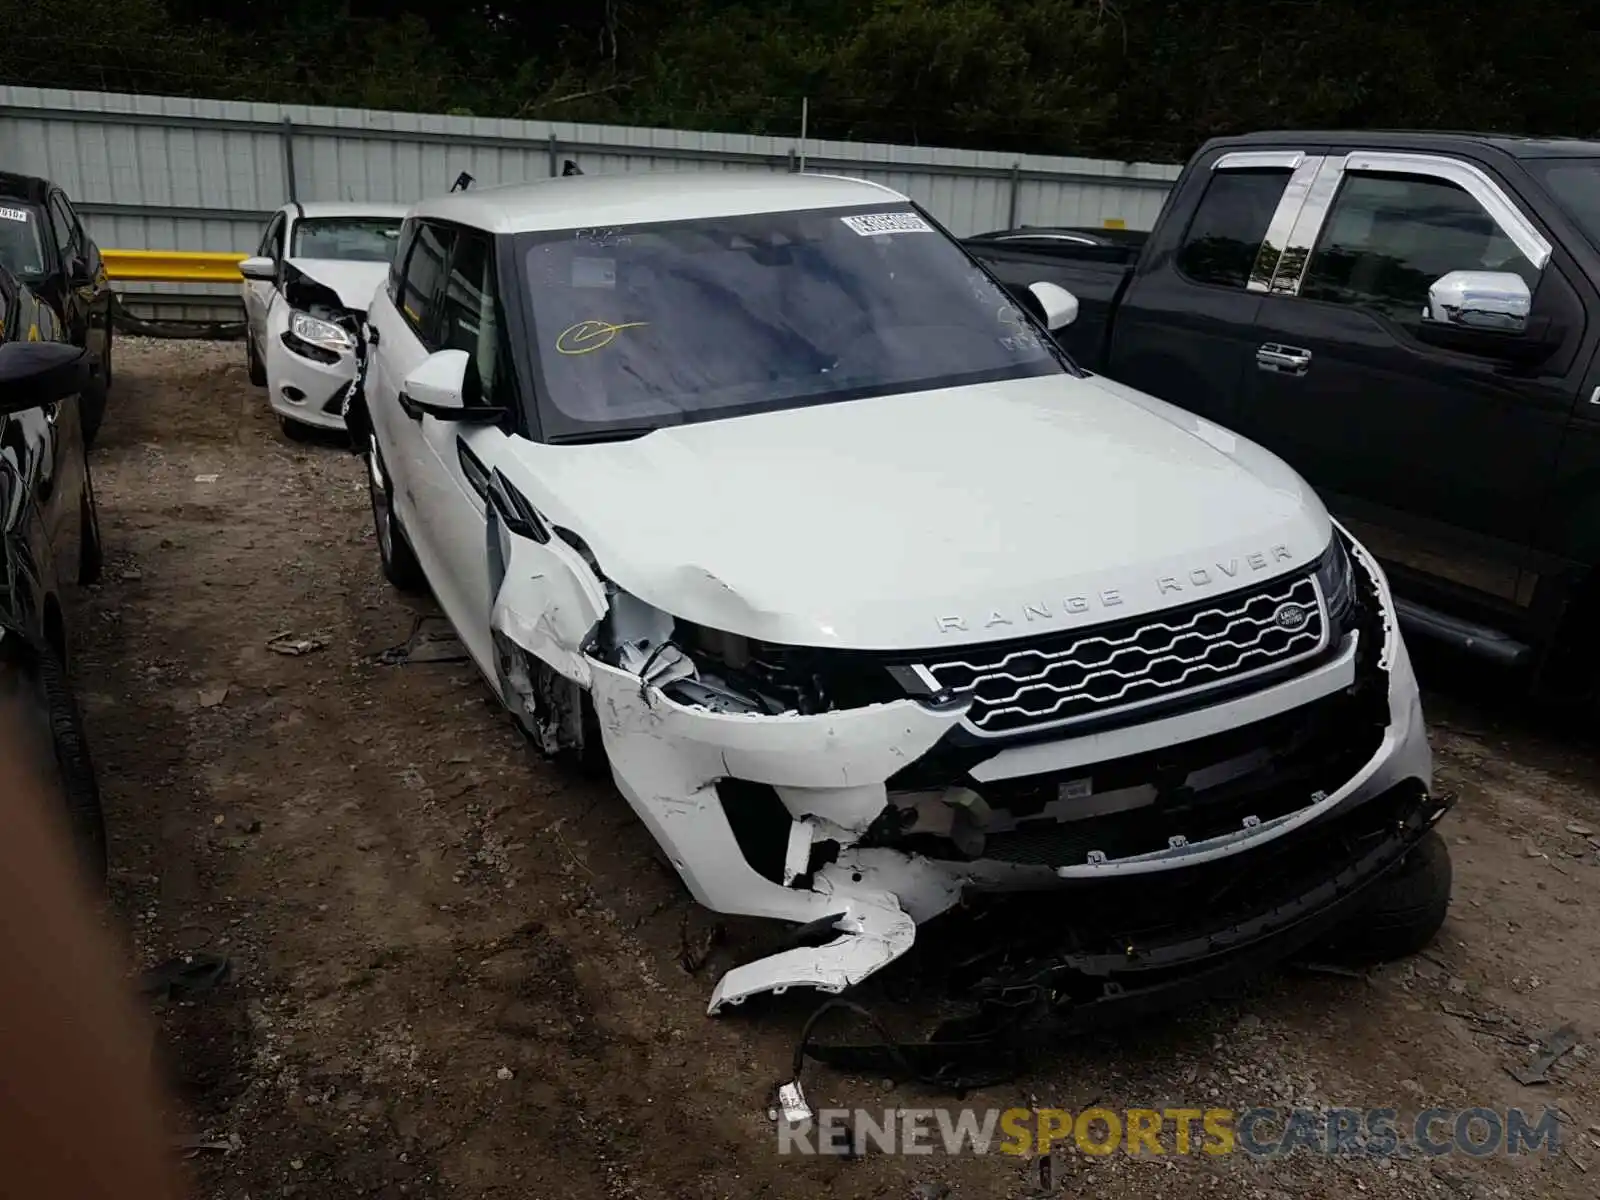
(1118, 78)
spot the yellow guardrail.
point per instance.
(173, 266)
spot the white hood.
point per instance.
(355, 282)
(932, 519)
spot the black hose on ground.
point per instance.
(126, 322)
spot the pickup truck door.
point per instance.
(1185, 331)
(1439, 458)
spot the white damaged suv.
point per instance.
(758, 489)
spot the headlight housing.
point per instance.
(324, 335)
(1336, 578)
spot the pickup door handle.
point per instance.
(1285, 360)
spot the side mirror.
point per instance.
(1492, 300)
(78, 275)
(34, 374)
(1059, 306)
(259, 268)
(1489, 314)
(440, 388)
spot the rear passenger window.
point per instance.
(1225, 236)
(419, 290)
(1388, 237)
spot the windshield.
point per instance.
(20, 248)
(352, 239)
(651, 325)
(1575, 184)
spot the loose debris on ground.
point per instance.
(455, 971)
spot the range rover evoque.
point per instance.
(762, 493)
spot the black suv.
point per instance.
(49, 540)
(44, 244)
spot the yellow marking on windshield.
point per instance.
(588, 336)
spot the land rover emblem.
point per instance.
(1289, 616)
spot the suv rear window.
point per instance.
(1225, 236)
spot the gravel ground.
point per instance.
(458, 972)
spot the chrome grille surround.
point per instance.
(1065, 679)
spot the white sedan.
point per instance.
(761, 492)
(306, 290)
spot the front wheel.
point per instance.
(79, 787)
(1403, 912)
(252, 362)
(400, 565)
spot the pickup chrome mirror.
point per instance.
(1059, 306)
(1493, 301)
(259, 268)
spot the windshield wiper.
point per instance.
(619, 433)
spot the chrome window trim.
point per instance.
(1284, 220)
(1502, 210)
(1246, 160)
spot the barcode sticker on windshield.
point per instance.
(872, 224)
(14, 214)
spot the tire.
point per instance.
(91, 550)
(92, 408)
(1403, 912)
(294, 430)
(253, 364)
(400, 565)
(79, 787)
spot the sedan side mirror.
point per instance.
(1058, 307)
(260, 268)
(35, 374)
(444, 387)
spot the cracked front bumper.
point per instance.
(304, 390)
(779, 816)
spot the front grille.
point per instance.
(1090, 674)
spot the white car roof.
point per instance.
(346, 208)
(584, 201)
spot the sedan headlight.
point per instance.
(323, 334)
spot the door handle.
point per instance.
(1284, 360)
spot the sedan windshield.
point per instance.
(350, 239)
(650, 325)
(21, 251)
(1575, 184)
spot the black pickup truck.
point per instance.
(1405, 318)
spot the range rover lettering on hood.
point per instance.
(1076, 606)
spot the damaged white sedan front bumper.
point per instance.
(845, 845)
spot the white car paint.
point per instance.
(923, 521)
(300, 388)
(1074, 450)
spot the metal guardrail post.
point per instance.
(288, 159)
(555, 156)
(1016, 188)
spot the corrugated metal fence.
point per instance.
(165, 173)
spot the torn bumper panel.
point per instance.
(305, 383)
(871, 820)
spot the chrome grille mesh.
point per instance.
(1075, 677)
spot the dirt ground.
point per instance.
(460, 972)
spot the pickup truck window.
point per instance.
(1225, 235)
(1575, 184)
(1388, 237)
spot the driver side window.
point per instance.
(1388, 237)
(272, 240)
